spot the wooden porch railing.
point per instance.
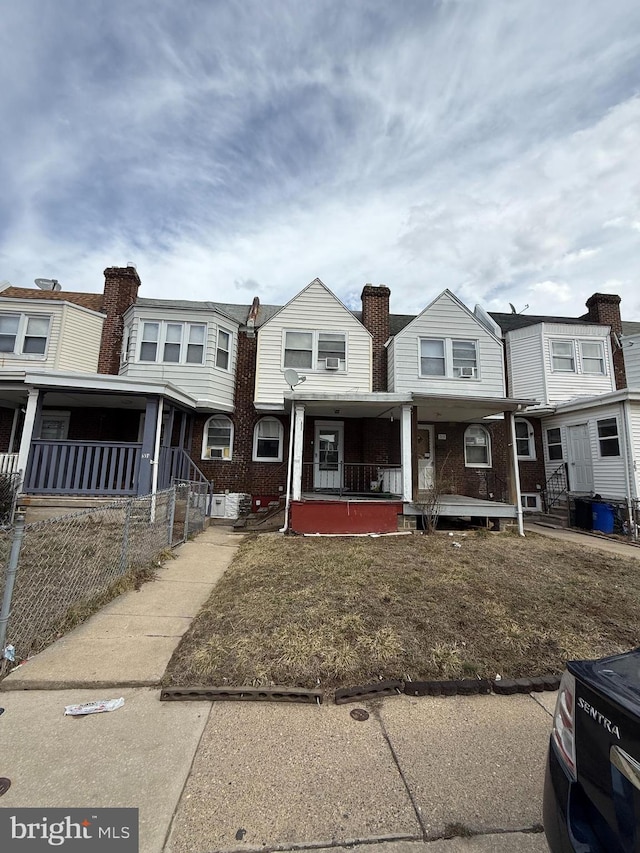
(83, 468)
(8, 463)
(176, 464)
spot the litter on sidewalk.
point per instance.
(97, 707)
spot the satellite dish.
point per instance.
(292, 379)
(47, 284)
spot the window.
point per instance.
(315, 350)
(126, 338)
(455, 359)
(525, 441)
(223, 349)
(24, 334)
(218, 438)
(176, 343)
(530, 501)
(608, 437)
(477, 447)
(592, 353)
(267, 440)
(562, 356)
(54, 425)
(432, 361)
(554, 444)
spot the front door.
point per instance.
(327, 455)
(426, 460)
(580, 467)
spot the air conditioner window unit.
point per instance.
(467, 372)
(332, 363)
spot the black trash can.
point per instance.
(584, 513)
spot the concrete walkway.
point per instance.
(227, 776)
(585, 539)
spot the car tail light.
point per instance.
(564, 733)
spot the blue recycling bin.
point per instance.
(603, 517)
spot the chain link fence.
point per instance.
(55, 573)
(9, 485)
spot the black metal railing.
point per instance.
(352, 478)
(555, 488)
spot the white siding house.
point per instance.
(631, 350)
(554, 362)
(194, 349)
(42, 334)
(446, 350)
(319, 338)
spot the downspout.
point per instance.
(156, 460)
(628, 461)
(289, 469)
(516, 473)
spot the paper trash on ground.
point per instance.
(97, 707)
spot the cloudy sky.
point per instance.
(232, 149)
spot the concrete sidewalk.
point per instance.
(228, 776)
(586, 539)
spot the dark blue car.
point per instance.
(592, 784)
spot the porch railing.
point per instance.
(555, 488)
(8, 463)
(352, 478)
(175, 463)
(83, 468)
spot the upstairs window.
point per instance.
(223, 349)
(267, 440)
(450, 358)
(608, 437)
(172, 343)
(315, 350)
(477, 447)
(554, 444)
(525, 443)
(563, 357)
(218, 438)
(24, 334)
(592, 354)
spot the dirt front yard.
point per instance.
(343, 611)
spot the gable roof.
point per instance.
(410, 320)
(93, 301)
(316, 281)
(629, 327)
(508, 322)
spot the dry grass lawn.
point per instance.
(294, 611)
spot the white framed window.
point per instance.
(477, 447)
(554, 444)
(218, 438)
(24, 334)
(608, 438)
(54, 425)
(268, 436)
(451, 358)
(525, 439)
(304, 350)
(592, 357)
(530, 501)
(223, 349)
(563, 356)
(124, 349)
(172, 343)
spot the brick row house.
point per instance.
(353, 417)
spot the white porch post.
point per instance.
(155, 462)
(515, 471)
(27, 431)
(405, 451)
(298, 436)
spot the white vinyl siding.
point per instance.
(631, 350)
(446, 320)
(73, 337)
(212, 386)
(609, 479)
(314, 311)
(634, 460)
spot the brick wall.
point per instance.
(605, 308)
(375, 318)
(454, 477)
(6, 422)
(94, 424)
(120, 291)
(532, 473)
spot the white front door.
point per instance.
(580, 466)
(426, 456)
(327, 454)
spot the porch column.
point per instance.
(148, 445)
(156, 449)
(298, 438)
(168, 434)
(406, 453)
(33, 407)
(514, 472)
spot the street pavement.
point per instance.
(239, 776)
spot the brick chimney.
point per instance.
(375, 318)
(605, 308)
(120, 291)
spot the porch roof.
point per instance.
(366, 405)
(464, 409)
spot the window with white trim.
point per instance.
(477, 447)
(316, 350)
(608, 437)
(218, 438)
(223, 349)
(452, 358)
(554, 444)
(563, 356)
(530, 501)
(172, 343)
(592, 357)
(24, 334)
(268, 436)
(126, 339)
(525, 439)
